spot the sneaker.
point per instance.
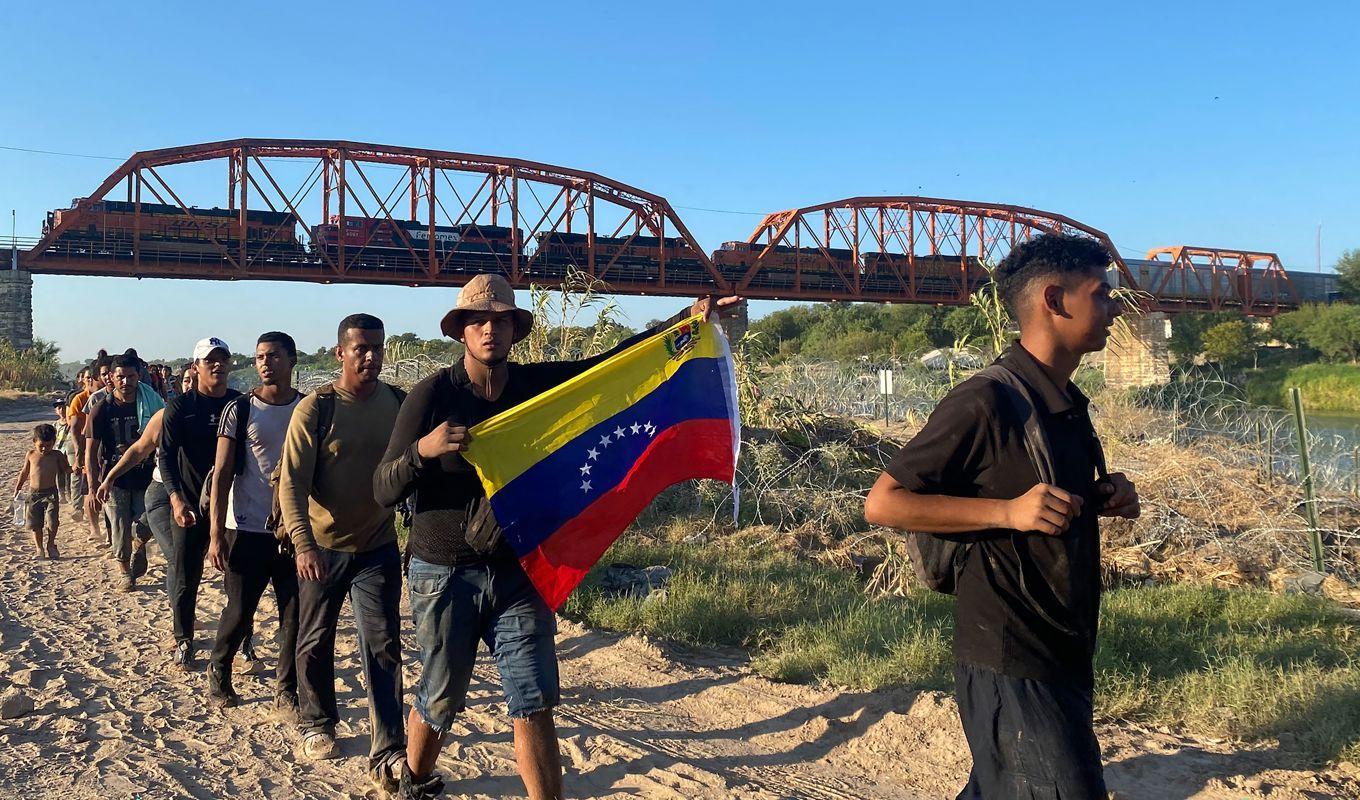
(250, 662)
(184, 656)
(220, 693)
(320, 746)
(386, 777)
(412, 789)
(286, 707)
(52, 550)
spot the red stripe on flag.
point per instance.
(699, 448)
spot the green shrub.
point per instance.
(1325, 387)
(35, 369)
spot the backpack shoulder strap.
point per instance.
(1021, 404)
(242, 429)
(325, 412)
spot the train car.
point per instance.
(939, 276)
(373, 233)
(786, 267)
(631, 259)
(1316, 287)
(170, 227)
(381, 244)
(1174, 285)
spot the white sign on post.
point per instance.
(885, 388)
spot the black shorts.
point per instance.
(1030, 740)
(41, 510)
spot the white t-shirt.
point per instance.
(251, 497)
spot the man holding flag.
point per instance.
(654, 405)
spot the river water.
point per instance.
(1346, 426)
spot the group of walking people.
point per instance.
(298, 491)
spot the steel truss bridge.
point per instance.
(350, 212)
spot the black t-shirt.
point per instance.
(1028, 604)
(448, 492)
(114, 426)
(189, 441)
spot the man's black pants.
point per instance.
(1030, 740)
(254, 562)
(372, 581)
(189, 547)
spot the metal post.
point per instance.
(433, 267)
(244, 176)
(341, 187)
(1175, 420)
(1355, 470)
(1261, 443)
(1306, 468)
(415, 198)
(137, 223)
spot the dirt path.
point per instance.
(113, 719)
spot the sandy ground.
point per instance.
(113, 719)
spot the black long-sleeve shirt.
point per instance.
(447, 491)
(189, 442)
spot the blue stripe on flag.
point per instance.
(564, 483)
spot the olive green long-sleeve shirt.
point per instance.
(326, 488)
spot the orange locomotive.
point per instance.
(112, 222)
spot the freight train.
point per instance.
(380, 246)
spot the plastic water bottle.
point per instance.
(20, 501)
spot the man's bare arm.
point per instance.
(1044, 508)
(23, 474)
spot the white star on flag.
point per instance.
(605, 440)
(618, 432)
(585, 486)
(635, 428)
(593, 453)
(650, 428)
(585, 470)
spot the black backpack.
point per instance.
(481, 531)
(938, 559)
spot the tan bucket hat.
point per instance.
(486, 292)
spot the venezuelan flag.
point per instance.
(569, 470)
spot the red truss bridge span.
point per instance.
(350, 212)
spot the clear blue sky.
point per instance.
(1161, 123)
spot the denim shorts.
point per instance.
(454, 607)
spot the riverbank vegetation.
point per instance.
(1236, 663)
(33, 369)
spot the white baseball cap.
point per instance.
(206, 346)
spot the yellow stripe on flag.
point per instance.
(532, 430)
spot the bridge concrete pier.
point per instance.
(1137, 353)
(16, 304)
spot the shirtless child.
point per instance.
(46, 470)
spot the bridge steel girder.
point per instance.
(897, 232)
(343, 168)
(1225, 280)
